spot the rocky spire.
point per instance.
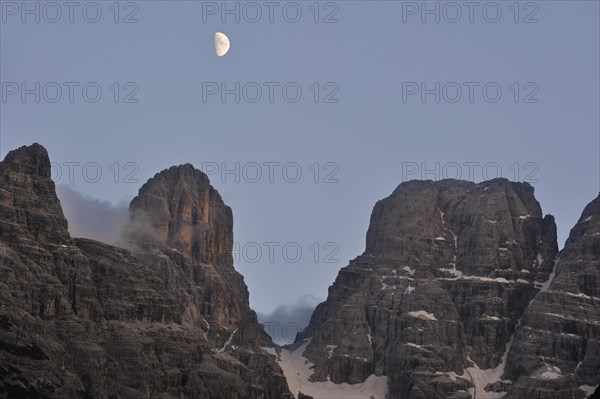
(180, 209)
(28, 201)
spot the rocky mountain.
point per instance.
(457, 296)
(81, 319)
(460, 293)
(556, 347)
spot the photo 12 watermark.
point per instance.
(452, 12)
(69, 92)
(269, 252)
(278, 252)
(54, 12)
(93, 172)
(273, 172)
(253, 12)
(270, 92)
(474, 171)
(470, 92)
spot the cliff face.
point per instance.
(557, 342)
(183, 231)
(30, 208)
(459, 294)
(81, 319)
(449, 269)
(180, 209)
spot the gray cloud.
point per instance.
(284, 322)
(92, 218)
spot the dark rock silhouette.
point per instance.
(447, 277)
(460, 293)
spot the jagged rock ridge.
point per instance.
(557, 343)
(457, 295)
(448, 271)
(81, 319)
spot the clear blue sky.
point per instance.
(367, 135)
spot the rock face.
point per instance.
(448, 271)
(81, 319)
(459, 294)
(557, 342)
(180, 209)
(30, 209)
(182, 229)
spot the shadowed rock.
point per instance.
(82, 319)
(557, 342)
(448, 270)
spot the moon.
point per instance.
(221, 44)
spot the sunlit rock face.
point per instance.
(183, 230)
(448, 270)
(180, 208)
(82, 319)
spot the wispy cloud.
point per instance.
(285, 321)
(93, 218)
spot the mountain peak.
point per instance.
(32, 160)
(180, 209)
(28, 198)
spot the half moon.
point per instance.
(221, 44)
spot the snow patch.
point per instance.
(544, 286)
(456, 273)
(330, 349)
(580, 295)
(480, 378)
(451, 374)
(421, 314)
(297, 370)
(270, 351)
(551, 373)
(501, 280)
(560, 316)
(409, 270)
(205, 333)
(539, 260)
(488, 317)
(228, 341)
(588, 389)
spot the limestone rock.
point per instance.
(448, 270)
(81, 319)
(557, 342)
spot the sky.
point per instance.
(318, 110)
